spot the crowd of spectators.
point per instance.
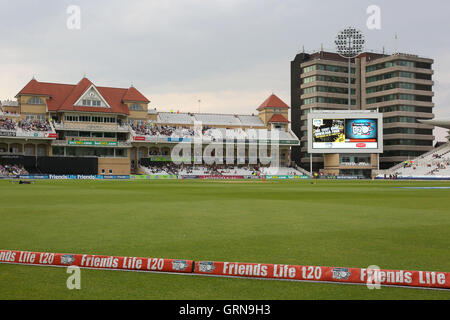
(148, 129)
(165, 168)
(391, 176)
(204, 169)
(442, 165)
(35, 125)
(12, 170)
(437, 156)
(8, 113)
(7, 124)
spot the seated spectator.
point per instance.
(12, 170)
(35, 125)
(7, 124)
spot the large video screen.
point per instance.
(344, 133)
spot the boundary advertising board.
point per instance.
(386, 277)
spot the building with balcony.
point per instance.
(116, 128)
(398, 85)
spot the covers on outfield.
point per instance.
(407, 278)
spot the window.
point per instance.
(403, 96)
(29, 150)
(335, 79)
(93, 103)
(398, 108)
(404, 74)
(335, 100)
(408, 142)
(97, 134)
(309, 90)
(399, 119)
(406, 85)
(309, 79)
(309, 100)
(136, 107)
(121, 153)
(408, 131)
(390, 86)
(29, 117)
(334, 90)
(423, 65)
(389, 64)
(309, 69)
(381, 77)
(72, 133)
(276, 110)
(41, 150)
(423, 76)
(58, 151)
(71, 118)
(423, 87)
(405, 63)
(35, 100)
(338, 69)
(388, 97)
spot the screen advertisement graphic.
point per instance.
(344, 133)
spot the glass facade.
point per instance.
(399, 119)
(89, 118)
(406, 109)
(328, 79)
(330, 68)
(388, 64)
(88, 151)
(408, 142)
(408, 131)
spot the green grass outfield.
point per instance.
(331, 223)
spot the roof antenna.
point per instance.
(321, 47)
(396, 42)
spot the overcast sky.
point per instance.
(230, 54)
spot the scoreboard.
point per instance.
(359, 131)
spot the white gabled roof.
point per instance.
(92, 93)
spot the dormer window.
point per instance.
(91, 103)
(136, 107)
(92, 98)
(35, 100)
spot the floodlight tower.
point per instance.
(349, 44)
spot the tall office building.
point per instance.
(399, 85)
